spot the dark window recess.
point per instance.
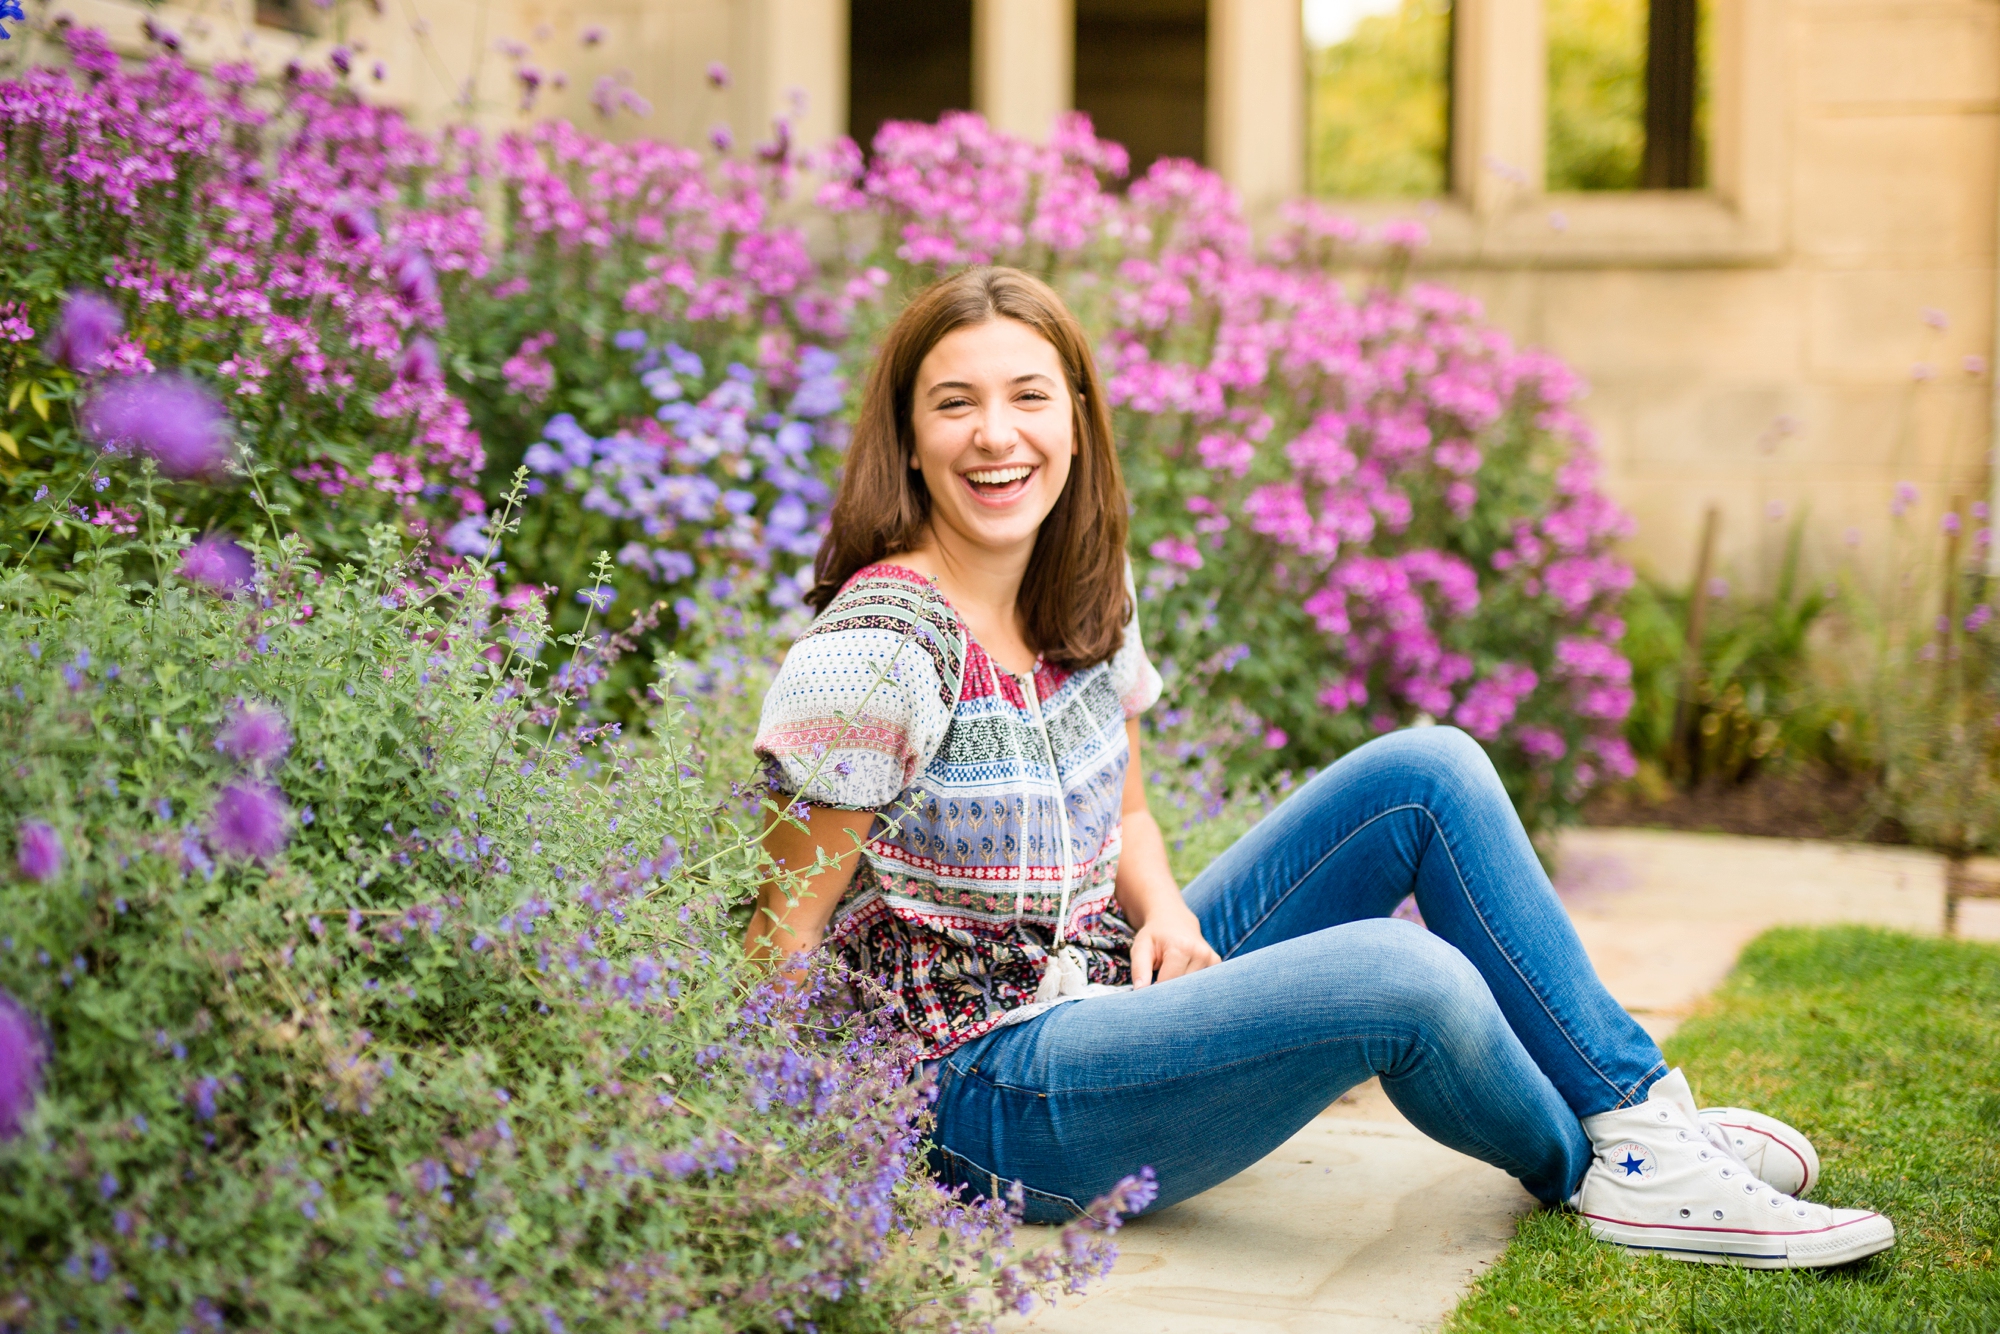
(289, 15)
(1672, 160)
(1142, 74)
(906, 60)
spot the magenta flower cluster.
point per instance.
(1361, 444)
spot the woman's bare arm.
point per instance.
(785, 927)
(1168, 940)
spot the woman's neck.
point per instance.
(984, 587)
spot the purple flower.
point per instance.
(255, 734)
(39, 851)
(23, 1052)
(169, 418)
(352, 220)
(218, 564)
(718, 75)
(250, 819)
(410, 270)
(420, 361)
(89, 323)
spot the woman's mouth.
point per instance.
(997, 486)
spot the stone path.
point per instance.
(1360, 1224)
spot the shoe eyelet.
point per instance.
(1683, 1134)
(1777, 1201)
(1749, 1188)
(1718, 1215)
(1687, 1213)
(1703, 1155)
(1726, 1173)
(1800, 1211)
(1660, 1115)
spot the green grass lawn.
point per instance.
(1884, 1048)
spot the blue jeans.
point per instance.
(1490, 1030)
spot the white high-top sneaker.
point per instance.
(1782, 1158)
(1659, 1186)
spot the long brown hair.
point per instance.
(1072, 601)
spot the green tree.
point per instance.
(1597, 93)
(1379, 105)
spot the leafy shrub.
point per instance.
(227, 231)
(1393, 505)
(380, 993)
(1755, 702)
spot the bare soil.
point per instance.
(1805, 803)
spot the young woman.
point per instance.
(958, 728)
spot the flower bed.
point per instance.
(369, 973)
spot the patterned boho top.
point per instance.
(999, 801)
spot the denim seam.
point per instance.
(1205, 1072)
(1444, 840)
(1068, 1201)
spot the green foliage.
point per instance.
(1379, 106)
(1879, 1046)
(1597, 93)
(474, 1048)
(1755, 701)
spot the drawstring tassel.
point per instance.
(1062, 976)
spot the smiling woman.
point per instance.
(987, 372)
(965, 821)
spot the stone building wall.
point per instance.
(1751, 346)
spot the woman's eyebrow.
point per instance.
(966, 386)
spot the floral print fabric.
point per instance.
(999, 800)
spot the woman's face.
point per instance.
(994, 427)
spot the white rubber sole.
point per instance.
(1843, 1243)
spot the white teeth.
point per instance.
(998, 476)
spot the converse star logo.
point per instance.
(1631, 1159)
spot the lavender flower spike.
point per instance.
(89, 323)
(23, 1051)
(168, 418)
(38, 851)
(250, 820)
(255, 734)
(218, 564)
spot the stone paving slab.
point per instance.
(1360, 1224)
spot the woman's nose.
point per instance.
(996, 431)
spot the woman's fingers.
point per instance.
(1142, 961)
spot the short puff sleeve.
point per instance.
(861, 703)
(1132, 672)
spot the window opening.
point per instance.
(1142, 75)
(906, 60)
(1378, 97)
(1627, 94)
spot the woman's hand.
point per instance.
(1168, 945)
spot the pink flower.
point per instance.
(38, 851)
(168, 418)
(255, 734)
(251, 820)
(24, 1050)
(85, 332)
(218, 564)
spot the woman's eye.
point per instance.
(1034, 396)
(951, 403)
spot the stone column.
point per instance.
(1256, 98)
(783, 48)
(1499, 103)
(1023, 63)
